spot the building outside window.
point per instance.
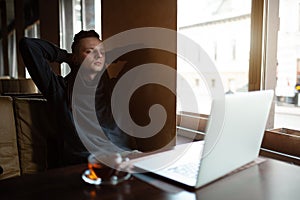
(222, 29)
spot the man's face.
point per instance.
(91, 54)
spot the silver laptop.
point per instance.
(233, 139)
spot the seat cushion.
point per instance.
(39, 148)
(9, 159)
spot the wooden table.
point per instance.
(269, 180)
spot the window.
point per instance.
(76, 15)
(12, 54)
(215, 51)
(222, 29)
(32, 31)
(233, 48)
(298, 17)
(215, 28)
(287, 110)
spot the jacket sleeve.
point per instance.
(37, 54)
(42, 48)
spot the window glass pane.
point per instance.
(222, 29)
(76, 15)
(91, 15)
(98, 17)
(12, 54)
(66, 28)
(32, 31)
(287, 110)
(88, 12)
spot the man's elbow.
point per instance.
(24, 42)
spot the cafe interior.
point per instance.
(140, 34)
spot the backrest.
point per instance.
(9, 159)
(40, 145)
(27, 86)
(17, 86)
(282, 144)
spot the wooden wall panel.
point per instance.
(256, 45)
(49, 25)
(120, 15)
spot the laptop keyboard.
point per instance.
(189, 170)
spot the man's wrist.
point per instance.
(69, 59)
(62, 56)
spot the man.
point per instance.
(88, 57)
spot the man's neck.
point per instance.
(90, 77)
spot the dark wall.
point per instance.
(120, 15)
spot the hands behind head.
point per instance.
(71, 60)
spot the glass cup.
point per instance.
(105, 170)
